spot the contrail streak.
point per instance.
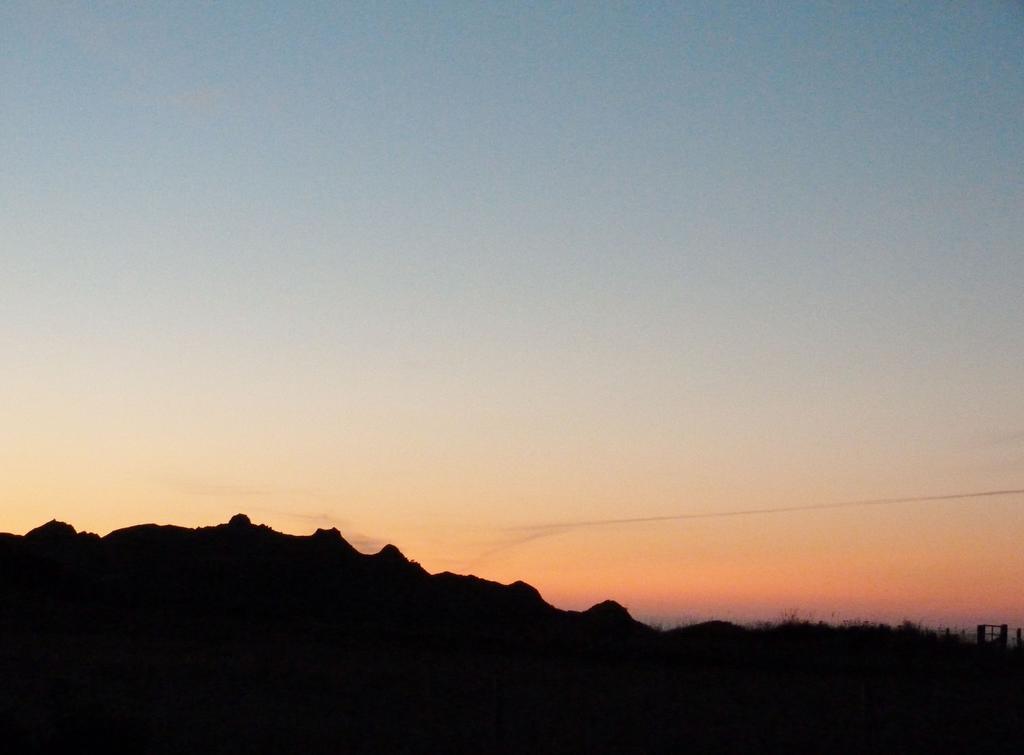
(560, 526)
(524, 534)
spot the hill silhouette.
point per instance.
(164, 577)
(237, 638)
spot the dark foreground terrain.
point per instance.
(239, 639)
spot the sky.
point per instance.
(443, 274)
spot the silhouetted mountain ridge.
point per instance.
(237, 638)
(241, 574)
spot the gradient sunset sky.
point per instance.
(439, 274)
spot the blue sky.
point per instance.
(526, 263)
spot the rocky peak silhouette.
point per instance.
(52, 530)
(390, 553)
(239, 521)
(247, 575)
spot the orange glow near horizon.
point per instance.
(931, 577)
(947, 563)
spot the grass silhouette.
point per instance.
(171, 640)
